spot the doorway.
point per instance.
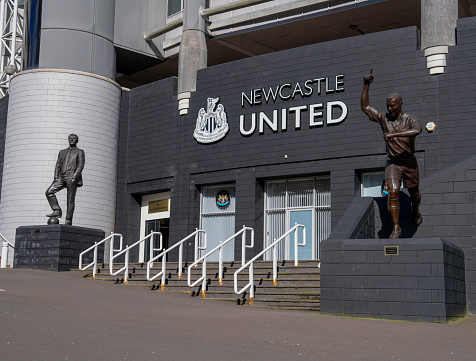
(155, 217)
(157, 225)
(305, 201)
(305, 218)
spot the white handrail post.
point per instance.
(151, 245)
(197, 241)
(275, 264)
(204, 246)
(243, 246)
(126, 274)
(204, 276)
(296, 244)
(95, 260)
(180, 260)
(252, 287)
(111, 253)
(164, 266)
(220, 265)
(4, 255)
(111, 250)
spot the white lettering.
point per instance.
(243, 97)
(281, 91)
(284, 119)
(297, 89)
(339, 82)
(319, 84)
(273, 95)
(273, 125)
(308, 86)
(256, 96)
(298, 114)
(242, 125)
(314, 114)
(342, 117)
(328, 90)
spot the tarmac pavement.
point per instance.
(64, 316)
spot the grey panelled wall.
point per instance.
(162, 153)
(133, 18)
(78, 35)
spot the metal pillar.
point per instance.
(11, 37)
(438, 26)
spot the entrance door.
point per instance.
(157, 225)
(305, 218)
(155, 216)
(306, 201)
(217, 218)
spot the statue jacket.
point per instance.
(74, 163)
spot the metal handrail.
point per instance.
(126, 251)
(195, 234)
(5, 249)
(94, 263)
(219, 248)
(275, 260)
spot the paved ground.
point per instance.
(64, 316)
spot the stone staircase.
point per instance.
(296, 288)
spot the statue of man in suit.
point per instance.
(68, 170)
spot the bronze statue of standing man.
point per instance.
(68, 170)
(399, 131)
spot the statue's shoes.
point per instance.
(396, 233)
(68, 221)
(417, 219)
(55, 214)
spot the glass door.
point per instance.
(156, 225)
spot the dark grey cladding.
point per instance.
(159, 151)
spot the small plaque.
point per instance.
(159, 206)
(391, 250)
(37, 230)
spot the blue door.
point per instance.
(303, 217)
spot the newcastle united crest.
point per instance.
(212, 124)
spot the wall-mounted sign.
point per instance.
(318, 114)
(159, 206)
(211, 124)
(223, 198)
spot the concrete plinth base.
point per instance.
(54, 247)
(420, 279)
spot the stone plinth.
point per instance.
(54, 247)
(420, 279)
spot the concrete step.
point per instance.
(171, 266)
(297, 287)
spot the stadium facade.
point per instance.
(179, 103)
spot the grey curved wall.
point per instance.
(43, 108)
(78, 35)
